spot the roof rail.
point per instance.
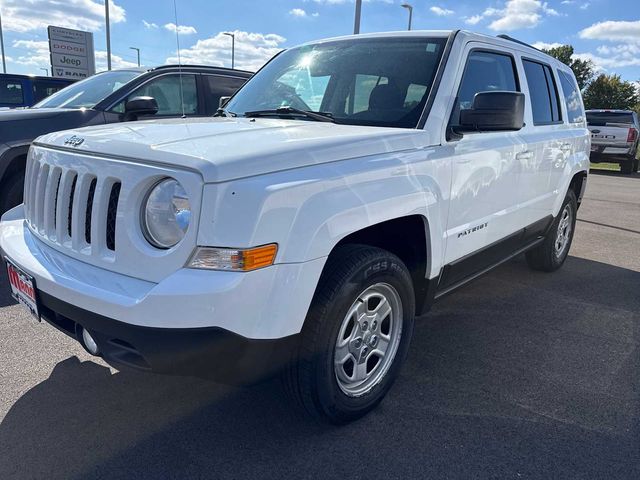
(511, 39)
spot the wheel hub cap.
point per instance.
(368, 339)
(563, 234)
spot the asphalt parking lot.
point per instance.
(519, 375)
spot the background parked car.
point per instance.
(26, 90)
(106, 98)
(614, 137)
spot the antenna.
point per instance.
(175, 14)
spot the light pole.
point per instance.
(233, 48)
(410, 8)
(356, 23)
(108, 31)
(4, 65)
(138, 52)
(46, 71)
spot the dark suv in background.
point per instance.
(109, 97)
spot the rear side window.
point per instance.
(11, 92)
(484, 72)
(603, 119)
(42, 89)
(543, 92)
(572, 100)
(221, 86)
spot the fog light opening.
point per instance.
(89, 343)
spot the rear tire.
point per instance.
(355, 337)
(12, 189)
(636, 165)
(552, 253)
(627, 166)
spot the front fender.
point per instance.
(307, 211)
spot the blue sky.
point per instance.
(605, 31)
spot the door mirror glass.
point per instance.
(494, 111)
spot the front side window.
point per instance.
(90, 91)
(11, 92)
(572, 99)
(542, 92)
(169, 91)
(484, 72)
(377, 82)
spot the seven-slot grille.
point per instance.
(74, 209)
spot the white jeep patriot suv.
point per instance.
(340, 192)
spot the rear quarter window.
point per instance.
(572, 98)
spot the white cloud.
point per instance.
(149, 25)
(546, 46)
(182, 29)
(584, 6)
(624, 54)
(28, 15)
(315, 14)
(252, 50)
(37, 53)
(473, 20)
(622, 31)
(338, 2)
(516, 14)
(116, 61)
(441, 12)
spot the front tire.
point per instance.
(356, 335)
(552, 253)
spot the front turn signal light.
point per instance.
(234, 259)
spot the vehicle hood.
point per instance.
(19, 125)
(223, 149)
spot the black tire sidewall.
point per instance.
(331, 399)
(570, 200)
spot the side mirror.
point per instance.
(223, 101)
(140, 106)
(493, 112)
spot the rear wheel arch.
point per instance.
(577, 184)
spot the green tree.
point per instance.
(582, 69)
(610, 91)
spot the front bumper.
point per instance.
(211, 353)
(188, 318)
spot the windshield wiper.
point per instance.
(321, 117)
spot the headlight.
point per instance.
(166, 214)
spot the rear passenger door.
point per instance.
(484, 191)
(547, 144)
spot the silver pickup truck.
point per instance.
(614, 137)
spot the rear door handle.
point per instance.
(526, 155)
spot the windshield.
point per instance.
(602, 119)
(378, 82)
(88, 92)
